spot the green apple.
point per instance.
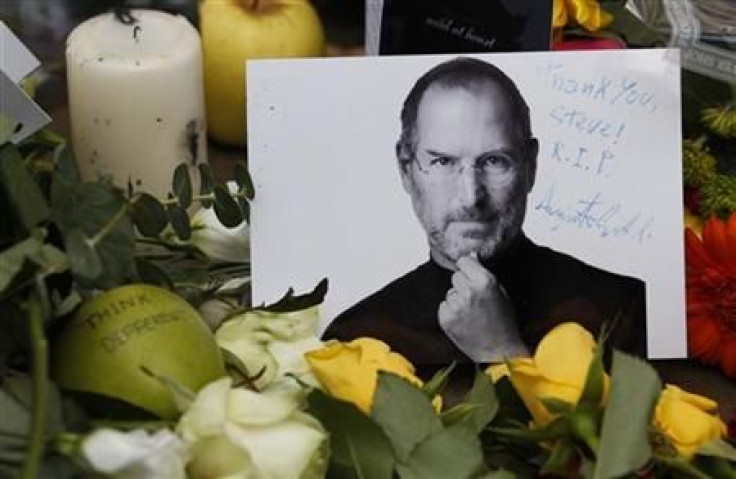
(234, 31)
(117, 339)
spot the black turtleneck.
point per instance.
(545, 287)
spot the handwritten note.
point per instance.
(331, 203)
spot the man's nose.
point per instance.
(471, 187)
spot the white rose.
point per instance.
(135, 454)
(274, 341)
(217, 241)
(281, 441)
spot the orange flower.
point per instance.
(711, 293)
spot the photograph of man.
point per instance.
(467, 158)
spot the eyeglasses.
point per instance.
(497, 165)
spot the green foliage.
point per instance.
(718, 197)
(625, 444)
(396, 404)
(360, 449)
(26, 203)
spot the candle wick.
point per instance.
(124, 16)
(136, 30)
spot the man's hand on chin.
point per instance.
(478, 316)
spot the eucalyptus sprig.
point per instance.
(61, 238)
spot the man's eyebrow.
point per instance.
(439, 153)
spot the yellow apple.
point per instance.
(117, 339)
(234, 31)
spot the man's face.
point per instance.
(471, 174)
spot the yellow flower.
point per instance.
(687, 420)
(349, 371)
(586, 13)
(558, 370)
(694, 222)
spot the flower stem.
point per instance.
(39, 351)
(122, 212)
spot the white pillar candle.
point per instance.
(136, 99)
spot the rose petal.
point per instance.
(565, 353)
(207, 414)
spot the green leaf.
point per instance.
(244, 208)
(557, 406)
(13, 259)
(151, 273)
(180, 222)
(438, 381)
(718, 448)
(85, 261)
(244, 181)
(206, 183)
(182, 186)
(91, 207)
(592, 394)
(454, 452)
(26, 200)
(624, 443)
(560, 460)
(16, 395)
(404, 412)
(7, 128)
(289, 302)
(65, 164)
(149, 215)
(359, 447)
(226, 208)
(479, 408)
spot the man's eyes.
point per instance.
(442, 161)
(495, 161)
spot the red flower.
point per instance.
(711, 293)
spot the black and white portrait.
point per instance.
(462, 206)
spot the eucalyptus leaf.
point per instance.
(624, 445)
(151, 273)
(244, 208)
(13, 259)
(149, 215)
(359, 448)
(16, 394)
(404, 412)
(179, 220)
(65, 164)
(244, 181)
(226, 208)
(92, 208)
(182, 185)
(454, 452)
(85, 261)
(23, 194)
(206, 183)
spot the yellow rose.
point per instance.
(558, 370)
(586, 13)
(687, 420)
(349, 371)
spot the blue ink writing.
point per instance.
(602, 162)
(596, 215)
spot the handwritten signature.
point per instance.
(593, 213)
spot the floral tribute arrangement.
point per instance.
(129, 347)
(108, 369)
